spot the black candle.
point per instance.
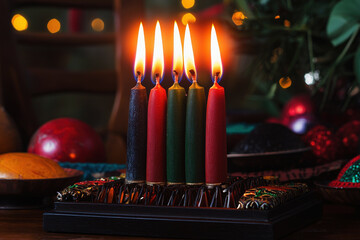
(137, 123)
(136, 138)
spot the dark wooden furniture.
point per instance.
(338, 222)
(20, 83)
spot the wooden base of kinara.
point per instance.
(183, 222)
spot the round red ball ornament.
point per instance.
(67, 140)
(349, 135)
(324, 143)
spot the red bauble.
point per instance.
(67, 140)
(349, 135)
(324, 143)
(300, 105)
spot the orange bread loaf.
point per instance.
(28, 166)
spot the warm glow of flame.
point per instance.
(189, 60)
(177, 53)
(158, 56)
(139, 65)
(216, 64)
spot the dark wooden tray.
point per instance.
(183, 222)
(279, 160)
(34, 193)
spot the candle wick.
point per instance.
(138, 76)
(157, 77)
(216, 77)
(176, 76)
(193, 76)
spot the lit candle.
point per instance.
(176, 107)
(195, 120)
(136, 137)
(215, 150)
(156, 138)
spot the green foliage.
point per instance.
(344, 20)
(357, 65)
(307, 36)
(245, 8)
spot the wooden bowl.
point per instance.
(339, 195)
(31, 193)
(279, 160)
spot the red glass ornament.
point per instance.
(349, 135)
(67, 140)
(324, 143)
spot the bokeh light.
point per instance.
(238, 18)
(299, 125)
(277, 17)
(53, 26)
(97, 25)
(19, 22)
(285, 82)
(188, 3)
(287, 23)
(312, 77)
(188, 18)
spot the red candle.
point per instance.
(156, 133)
(215, 141)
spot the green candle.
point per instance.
(176, 108)
(195, 120)
(195, 135)
(175, 139)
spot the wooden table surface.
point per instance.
(338, 222)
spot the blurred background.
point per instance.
(291, 73)
(270, 51)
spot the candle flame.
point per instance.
(157, 71)
(189, 60)
(139, 65)
(216, 64)
(177, 55)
